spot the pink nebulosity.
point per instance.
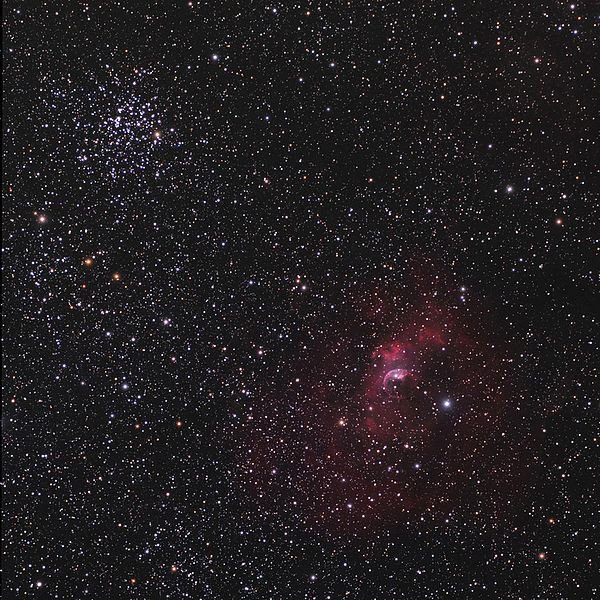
(391, 445)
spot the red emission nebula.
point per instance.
(427, 424)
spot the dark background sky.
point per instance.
(214, 214)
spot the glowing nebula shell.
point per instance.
(395, 375)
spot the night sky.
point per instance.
(299, 300)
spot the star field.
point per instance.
(298, 300)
